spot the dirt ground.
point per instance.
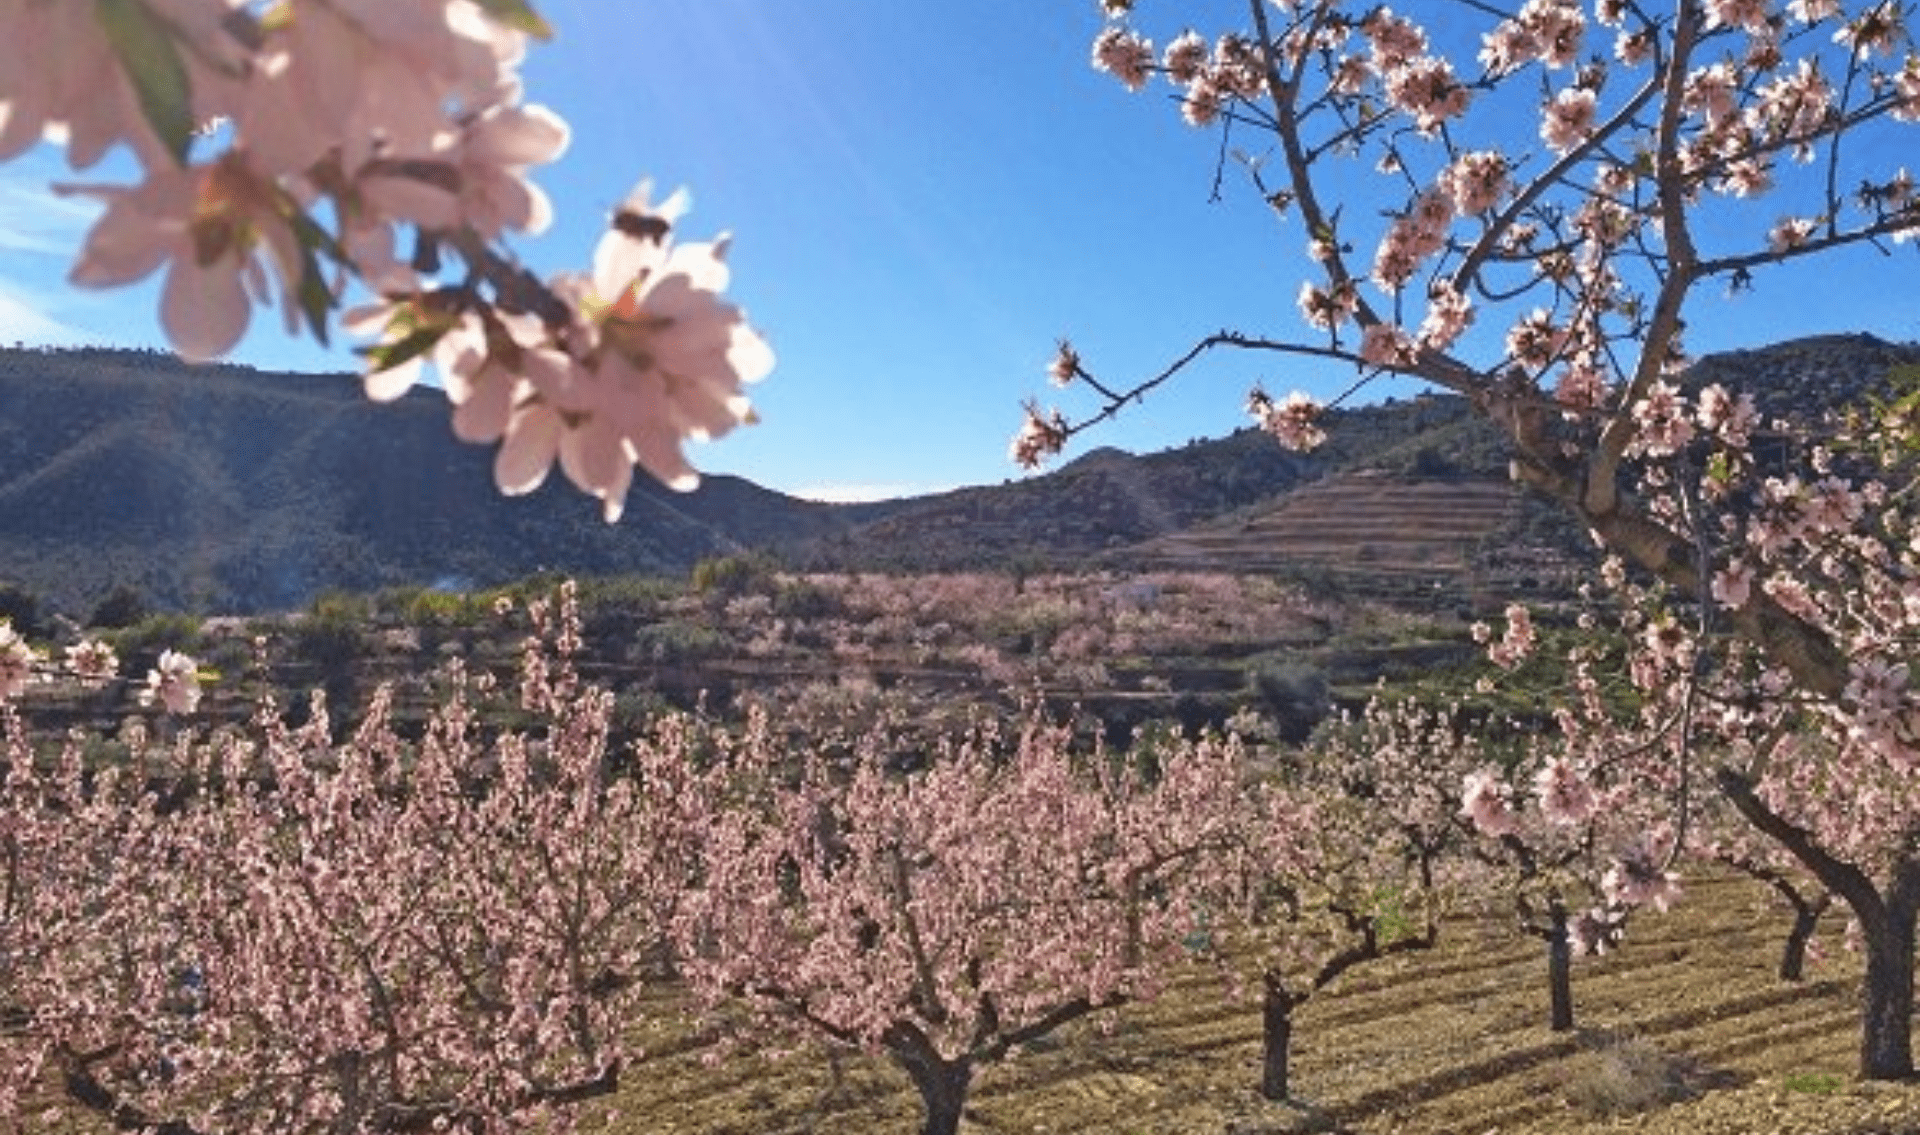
(1684, 1029)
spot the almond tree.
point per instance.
(1346, 859)
(1816, 520)
(1828, 776)
(83, 940)
(1576, 248)
(949, 915)
(1572, 882)
(1729, 840)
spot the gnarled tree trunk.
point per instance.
(1886, 1036)
(1559, 967)
(1276, 1037)
(1278, 1003)
(1806, 919)
(1806, 911)
(942, 1084)
(1886, 915)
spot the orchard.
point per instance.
(1765, 601)
(304, 924)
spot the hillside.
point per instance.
(1107, 501)
(1404, 495)
(1385, 535)
(227, 489)
(222, 488)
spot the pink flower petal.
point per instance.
(488, 408)
(751, 357)
(532, 439)
(127, 243)
(518, 136)
(658, 451)
(592, 456)
(204, 308)
(389, 384)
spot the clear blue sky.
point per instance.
(924, 197)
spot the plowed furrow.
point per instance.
(1398, 1096)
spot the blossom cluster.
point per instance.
(650, 355)
(249, 120)
(1043, 434)
(89, 660)
(17, 659)
(1294, 423)
(173, 683)
(1514, 644)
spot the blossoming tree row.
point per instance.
(369, 927)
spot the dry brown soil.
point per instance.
(1451, 1041)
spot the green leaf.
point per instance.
(312, 236)
(386, 356)
(520, 16)
(151, 59)
(316, 299)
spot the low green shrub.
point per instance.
(139, 645)
(729, 576)
(1813, 1083)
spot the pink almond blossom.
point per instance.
(1388, 345)
(173, 683)
(1568, 119)
(1294, 423)
(92, 661)
(485, 183)
(1636, 879)
(17, 660)
(1484, 803)
(1449, 314)
(1042, 434)
(61, 78)
(1565, 796)
(219, 228)
(1123, 54)
(1477, 181)
(374, 78)
(1184, 57)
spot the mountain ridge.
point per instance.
(221, 488)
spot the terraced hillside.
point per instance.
(1386, 530)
